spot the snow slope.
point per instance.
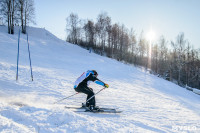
(149, 104)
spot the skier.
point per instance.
(81, 85)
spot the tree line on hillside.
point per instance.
(177, 60)
(17, 12)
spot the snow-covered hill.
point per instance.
(149, 104)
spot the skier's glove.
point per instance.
(106, 85)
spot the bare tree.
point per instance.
(73, 28)
(27, 13)
(103, 22)
(155, 58)
(133, 46)
(123, 42)
(109, 33)
(179, 49)
(89, 32)
(114, 39)
(141, 49)
(163, 51)
(1, 14)
(193, 67)
(8, 9)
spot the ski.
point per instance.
(74, 107)
(100, 111)
(85, 109)
(77, 107)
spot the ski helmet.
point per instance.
(95, 72)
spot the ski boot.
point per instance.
(83, 105)
(93, 108)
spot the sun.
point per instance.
(151, 35)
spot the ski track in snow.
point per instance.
(149, 103)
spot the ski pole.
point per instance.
(95, 94)
(18, 54)
(67, 97)
(29, 57)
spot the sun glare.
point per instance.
(151, 35)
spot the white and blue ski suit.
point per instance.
(81, 85)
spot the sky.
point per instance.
(166, 18)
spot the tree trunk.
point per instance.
(22, 20)
(25, 21)
(12, 17)
(8, 23)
